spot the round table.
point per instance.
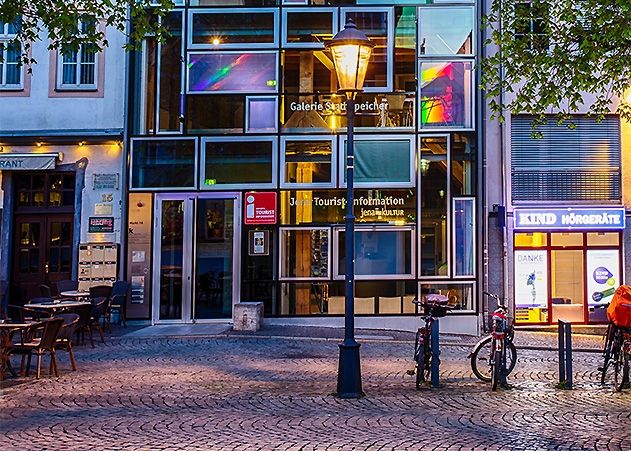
(5, 345)
(75, 294)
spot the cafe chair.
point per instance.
(98, 313)
(45, 291)
(118, 301)
(97, 293)
(40, 346)
(84, 323)
(64, 337)
(67, 285)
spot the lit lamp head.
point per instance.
(350, 49)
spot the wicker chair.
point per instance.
(40, 346)
(64, 337)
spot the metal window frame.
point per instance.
(449, 6)
(157, 130)
(242, 186)
(411, 138)
(375, 228)
(308, 45)
(241, 45)
(472, 283)
(389, 48)
(301, 186)
(281, 254)
(472, 201)
(249, 98)
(232, 52)
(163, 138)
(471, 100)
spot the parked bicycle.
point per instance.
(495, 351)
(435, 306)
(617, 354)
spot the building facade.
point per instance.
(236, 182)
(61, 164)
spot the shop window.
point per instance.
(566, 239)
(464, 237)
(76, 67)
(460, 295)
(446, 94)
(163, 163)
(380, 252)
(219, 112)
(308, 27)
(603, 277)
(381, 161)
(532, 239)
(603, 239)
(304, 253)
(531, 286)
(566, 272)
(261, 114)
(433, 170)
(378, 25)
(463, 162)
(307, 161)
(405, 49)
(232, 72)
(231, 28)
(244, 162)
(446, 30)
(11, 69)
(170, 82)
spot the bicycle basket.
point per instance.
(436, 305)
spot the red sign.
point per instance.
(260, 208)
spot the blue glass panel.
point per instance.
(232, 72)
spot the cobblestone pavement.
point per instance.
(247, 393)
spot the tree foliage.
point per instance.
(550, 52)
(56, 22)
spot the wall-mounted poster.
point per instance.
(603, 275)
(531, 279)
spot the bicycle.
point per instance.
(617, 353)
(435, 306)
(489, 355)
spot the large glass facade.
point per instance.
(243, 98)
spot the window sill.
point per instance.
(68, 89)
(11, 89)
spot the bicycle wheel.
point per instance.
(610, 339)
(497, 367)
(621, 371)
(481, 359)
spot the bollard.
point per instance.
(435, 353)
(565, 354)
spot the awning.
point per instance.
(29, 161)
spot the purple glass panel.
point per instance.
(262, 114)
(232, 72)
(446, 94)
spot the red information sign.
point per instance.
(260, 208)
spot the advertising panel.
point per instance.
(531, 279)
(260, 208)
(603, 275)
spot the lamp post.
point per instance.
(350, 49)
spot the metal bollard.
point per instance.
(565, 354)
(435, 353)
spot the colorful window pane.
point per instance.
(446, 94)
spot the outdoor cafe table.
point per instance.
(77, 294)
(5, 345)
(55, 306)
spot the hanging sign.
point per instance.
(260, 208)
(27, 161)
(569, 218)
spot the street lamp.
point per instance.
(351, 50)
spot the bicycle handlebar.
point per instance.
(500, 301)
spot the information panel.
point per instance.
(531, 279)
(603, 275)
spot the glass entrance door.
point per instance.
(195, 248)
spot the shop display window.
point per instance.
(446, 30)
(380, 252)
(307, 161)
(566, 273)
(242, 162)
(163, 163)
(464, 236)
(223, 113)
(566, 239)
(308, 27)
(460, 295)
(261, 114)
(378, 25)
(445, 97)
(381, 161)
(304, 253)
(434, 172)
(463, 160)
(170, 80)
(231, 28)
(603, 239)
(531, 286)
(232, 72)
(531, 239)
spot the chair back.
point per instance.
(99, 306)
(45, 291)
(100, 291)
(67, 285)
(70, 323)
(120, 290)
(41, 300)
(84, 312)
(49, 335)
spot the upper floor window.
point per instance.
(77, 66)
(530, 24)
(11, 69)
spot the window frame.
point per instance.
(447, 5)
(454, 257)
(375, 228)
(411, 138)
(307, 45)
(284, 184)
(242, 45)
(232, 52)
(281, 253)
(183, 79)
(7, 38)
(241, 186)
(61, 86)
(246, 125)
(163, 138)
(472, 283)
(389, 10)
